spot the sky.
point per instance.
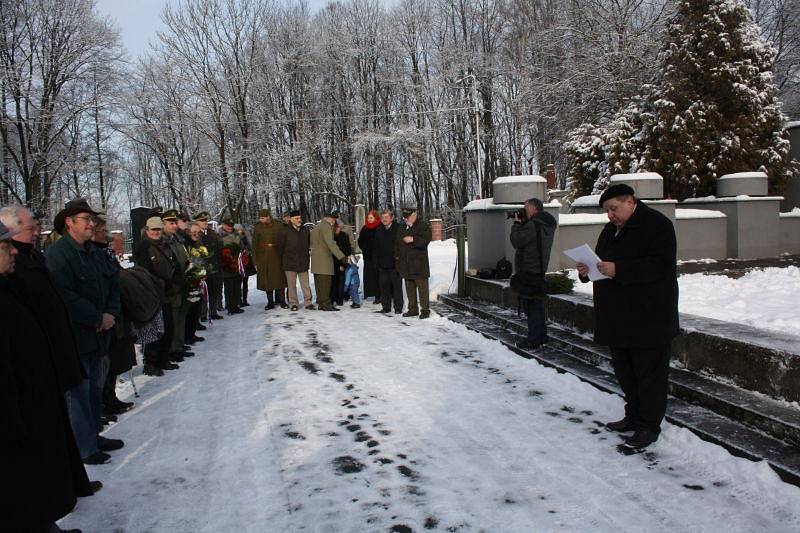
(139, 20)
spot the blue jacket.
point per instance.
(89, 288)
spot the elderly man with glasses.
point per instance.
(93, 305)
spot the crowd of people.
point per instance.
(72, 317)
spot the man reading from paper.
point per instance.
(636, 309)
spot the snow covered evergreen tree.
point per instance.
(716, 110)
(585, 149)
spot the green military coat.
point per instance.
(267, 256)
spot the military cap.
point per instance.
(184, 216)
(227, 221)
(202, 216)
(171, 215)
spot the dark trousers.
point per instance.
(391, 289)
(337, 285)
(157, 353)
(214, 282)
(277, 295)
(245, 286)
(233, 292)
(414, 286)
(643, 375)
(322, 284)
(537, 322)
(193, 319)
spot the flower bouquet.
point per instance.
(229, 257)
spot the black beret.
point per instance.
(294, 213)
(620, 189)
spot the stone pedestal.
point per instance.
(646, 185)
(517, 189)
(742, 183)
(436, 229)
(752, 224)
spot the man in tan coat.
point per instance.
(323, 247)
(271, 277)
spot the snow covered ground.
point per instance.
(355, 421)
(763, 298)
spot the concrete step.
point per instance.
(744, 423)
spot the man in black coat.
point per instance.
(636, 308)
(412, 262)
(384, 248)
(532, 240)
(38, 454)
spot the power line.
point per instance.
(256, 123)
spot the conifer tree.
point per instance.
(716, 110)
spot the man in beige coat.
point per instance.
(323, 247)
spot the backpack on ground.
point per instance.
(503, 269)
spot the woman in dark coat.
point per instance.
(38, 453)
(366, 242)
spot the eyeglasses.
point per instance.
(88, 219)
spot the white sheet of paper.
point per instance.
(584, 254)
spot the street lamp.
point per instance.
(477, 130)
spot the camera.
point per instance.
(518, 214)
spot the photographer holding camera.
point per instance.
(532, 237)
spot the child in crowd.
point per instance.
(352, 282)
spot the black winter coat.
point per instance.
(524, 241)
(36, 287)
(384, 246)
(638, 308)
(366, 242)
(42, 472)
(412, 258)
(294, 246)
(157, 258)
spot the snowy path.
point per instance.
(354, 421)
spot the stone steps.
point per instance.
(747, 424)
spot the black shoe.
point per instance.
(411, 313)
(398, 312)
(217, 316)
(310, 307)
(107, 419)
(425, 313)
(245, 304)
(201, 327)
(95, 486)
(151, 370)
(176, 357)
(355, 306)
(108, 445)
(169, 366)
(238, 311)
(295, 308)
(187, 347)
(329, 308)
(269, 306)
(377, 301)
(284, 306)
(203, 319)
(116, 407)
(641, 439)
(97, 458)
(197, 339)
(621, 426)
(187, 353)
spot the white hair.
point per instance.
(10, 215)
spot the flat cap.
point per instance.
(619, 189)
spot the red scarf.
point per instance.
(374, 224)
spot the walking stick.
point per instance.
(133, 382)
